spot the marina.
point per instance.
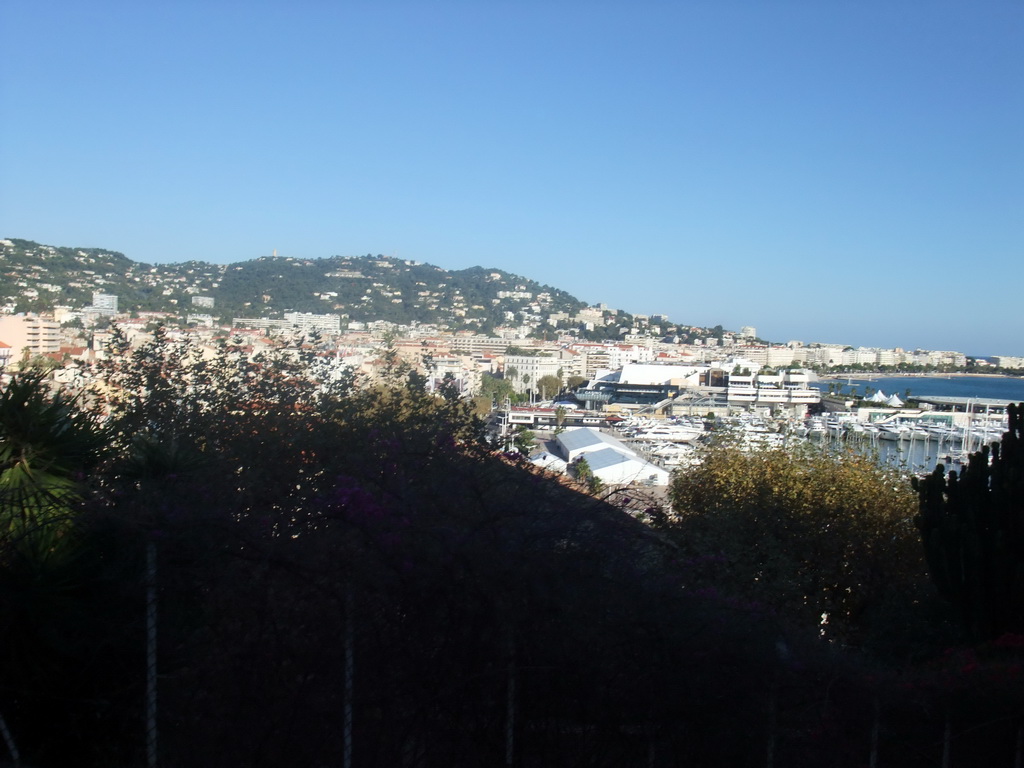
(938, 428)
(912, 442)
(958, 416)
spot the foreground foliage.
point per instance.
(972, 526)
(825, 539)
(46, 443)
(351, 573)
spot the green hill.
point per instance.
(363, 288)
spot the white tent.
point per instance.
(878, 397)
(579, 440)
(611, 461)
(895, 402)
(614, 468)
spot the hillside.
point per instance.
(39, 277)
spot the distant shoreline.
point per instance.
(873, 376)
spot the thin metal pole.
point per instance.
(510, 704)
(772, 723)
(946, 740)
(349, 674)
(9, 741)
(875, 730)
(151, 730)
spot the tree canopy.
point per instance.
(826, 539)
(549, 386)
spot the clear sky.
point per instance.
(848, 172)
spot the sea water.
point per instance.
(995, 387)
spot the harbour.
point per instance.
(956, 416)
(947, 419)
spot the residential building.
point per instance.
(524, 371)
(103, 304)
(1004, 361)
(40, 335)
(300, 321)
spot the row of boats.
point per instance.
(976, 433)
(673, 442)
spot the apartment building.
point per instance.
(1006, 361)
(103, 304)
(524, 371)
(300, 321)
(40, 335)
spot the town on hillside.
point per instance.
(531, 357)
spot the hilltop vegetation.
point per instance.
(365, 288)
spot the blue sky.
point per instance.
(843, 171)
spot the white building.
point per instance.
(524, 371)
(1005, 361)
(307, 321)
(614, 468)
(103, 304)
(655, 374)
(301, 321)
(790, 390)
(595, 358)
(609, 459)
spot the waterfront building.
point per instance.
(889, 357)
(593, 358)
(790, 390)
(641, 386)
(1004, 361)
(939, 358)
(735, 383)
(609, 459)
